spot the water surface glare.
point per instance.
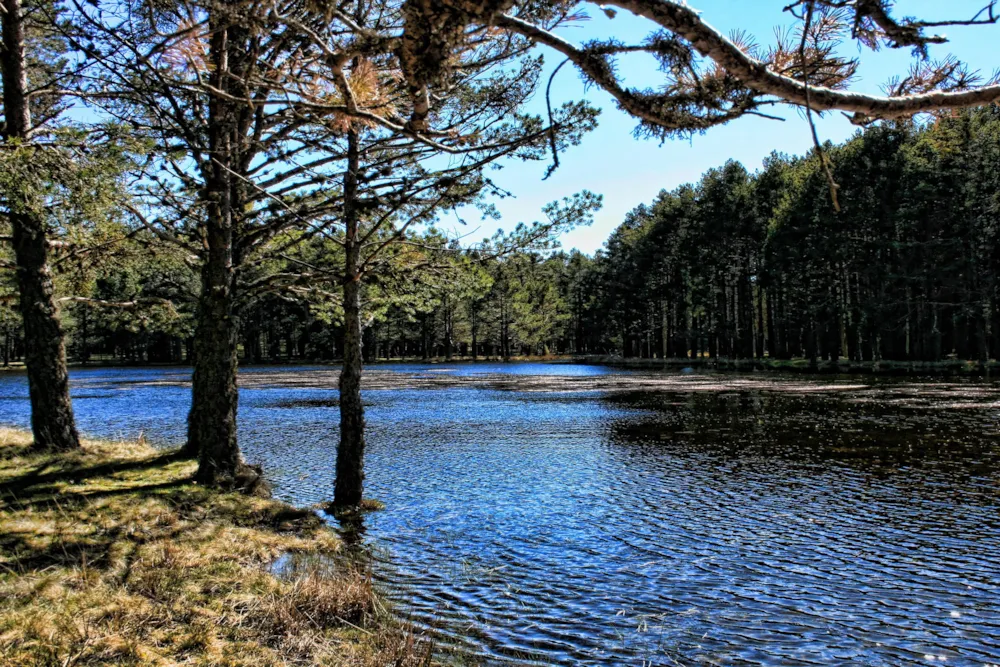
(560, 514)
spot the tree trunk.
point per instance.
(351, 452)
(665, 328)
(349, 486)
(84, 321)
(212, 419)
(52, 422)
(983, 334)
(449, 343)
(214, 396)
(760, 341)
(45, 353)
(504, 330)
(425, 343)
(475, 334)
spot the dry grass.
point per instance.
(111, 556)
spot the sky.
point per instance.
(627, 171)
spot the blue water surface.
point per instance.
(571, 514)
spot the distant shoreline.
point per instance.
(949, 367)
(884, 367)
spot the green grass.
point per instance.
(112, 556)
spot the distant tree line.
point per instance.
(460, 305)
(739, 265)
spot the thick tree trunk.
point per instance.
(214, 396)
(52, 421)
(349, 486)
(45, 353)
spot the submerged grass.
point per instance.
(112, 556)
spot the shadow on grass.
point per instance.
(9, 451)
(27, 554)
(47, 498)
(48, 537)
(36, 546)
(76, 474)
(112, 555)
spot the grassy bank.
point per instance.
(111, 556)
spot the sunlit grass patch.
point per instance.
(372, 505)
(112, 556)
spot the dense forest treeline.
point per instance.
(739, 265)
(747, 265)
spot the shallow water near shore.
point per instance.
(570, 514)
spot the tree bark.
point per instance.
(349, 485)
(52, 422)
(214, 395)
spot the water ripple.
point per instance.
(578, 515)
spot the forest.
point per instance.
(740, 265)
(215, 182)
(219, 217)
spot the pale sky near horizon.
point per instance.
(629, 171)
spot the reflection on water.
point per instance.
(578, 515)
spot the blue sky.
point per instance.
(629, 171)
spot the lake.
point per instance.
(570, 514)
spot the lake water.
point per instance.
(560, 514)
